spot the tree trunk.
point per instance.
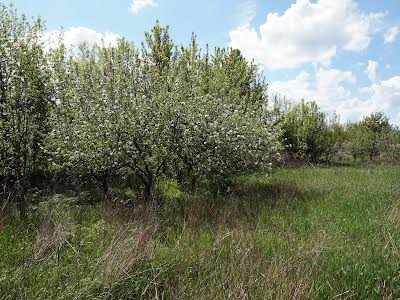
(148, 191)
(102, 181)
(148, 185)
(179, 177)
(104, 186)
(20, 185)
(193, 183)
(22, 203)
(20, 197)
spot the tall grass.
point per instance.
(297, 234)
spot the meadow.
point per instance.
(298, 233)
(137, 170)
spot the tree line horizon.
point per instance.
(154, 111)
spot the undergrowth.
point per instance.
(296, 234)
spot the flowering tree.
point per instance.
(91, 91)
(161, 111)
(219, 127)
(25, 98)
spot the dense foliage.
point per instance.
(176, 141)
(306, 131)
(158, 111)
(25, 97)
(369, 138)
(310, 135)
(153, 111)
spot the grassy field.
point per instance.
(297, 234)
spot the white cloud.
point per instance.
(296, 89)
(385, 95)
(75, 35)
(328, 89)
(307, 32)
(396, 119)
(391, 34)
(246, 11)
(371, 70)
(137, 5)
(329, 84)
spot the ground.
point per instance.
(298, 233)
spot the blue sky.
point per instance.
(341, 53)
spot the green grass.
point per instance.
(295, 234)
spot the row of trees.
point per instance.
(309, 134)
(153, 111)
(158, 110)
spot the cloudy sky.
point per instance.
(344, 54)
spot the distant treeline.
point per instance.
(311, 135)
(152, 111)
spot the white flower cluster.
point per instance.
(160, 112)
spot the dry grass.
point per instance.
(300, 234)
(129, 247)
(394, 213)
